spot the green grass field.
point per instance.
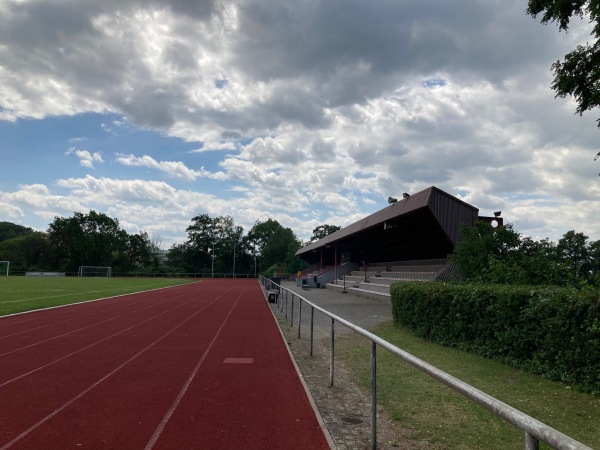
(19, 294)
(447, 420)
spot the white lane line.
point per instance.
(167, 416)
(33, 311)
(68, 295)
(71, 319)
(91, 345)
(73, 331)
(54, 296)
(21, 332)
(114, 308)
(104, 378)
(80, 329)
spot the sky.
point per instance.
(308, 112)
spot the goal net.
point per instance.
(95, 271)
(4, 266)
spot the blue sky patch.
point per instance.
(433, 83)
(220, 84)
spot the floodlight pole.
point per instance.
(213, 259)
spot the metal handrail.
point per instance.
(535, 431)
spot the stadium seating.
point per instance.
(375, 279)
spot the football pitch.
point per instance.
(20, 294)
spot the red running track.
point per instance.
(198, 366)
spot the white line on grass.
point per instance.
(68, 295)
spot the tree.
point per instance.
(281, 248)
(275, 244)
(139, 251)
(27, 252)
(92, 239)
(261, 233)
(179, 257)
(156, 242)
(323, 230)
(501, 255)
(201, 243)
(482, 247)
(573, 250)
(214, 240)
(579, 74)
(267, 242)
(10, 230)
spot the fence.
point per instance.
(534, 430)
(159, 275)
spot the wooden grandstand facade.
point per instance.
(422, 226)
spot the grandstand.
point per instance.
(410, 239)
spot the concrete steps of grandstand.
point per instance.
(375, 280)
(363, 292)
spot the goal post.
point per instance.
(4, 268)
(95, 271)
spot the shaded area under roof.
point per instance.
(425, 225)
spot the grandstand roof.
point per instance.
(424, 225)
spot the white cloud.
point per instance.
(310, 115)
(175, 169)
(86, 158)
(216, 146)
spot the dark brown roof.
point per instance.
(427, 218)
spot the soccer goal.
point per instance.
(4, 266)
(95, 271)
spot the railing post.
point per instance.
(292, 313)
(312, 327)
(286, 306)
(373, 395)
(331, 352)
(299, 316)
(281, 306)
(531, 443)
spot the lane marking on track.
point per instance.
(91, 345)
(101, 380)
(115, 306)
(91, 301)
(74, 331)
(21, 332)
(57, 296)
(88, 326)
(237, 361)
(114, 289)
(167, 417)
(71, 319)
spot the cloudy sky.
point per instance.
(307, 112)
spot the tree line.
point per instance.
(214, 245)
(501, 255)
(92, 239)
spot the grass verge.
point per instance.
(20, 294)
(446, 419)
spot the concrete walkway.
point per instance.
(364, 312)
(346, 407)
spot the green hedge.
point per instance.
(550, 331)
